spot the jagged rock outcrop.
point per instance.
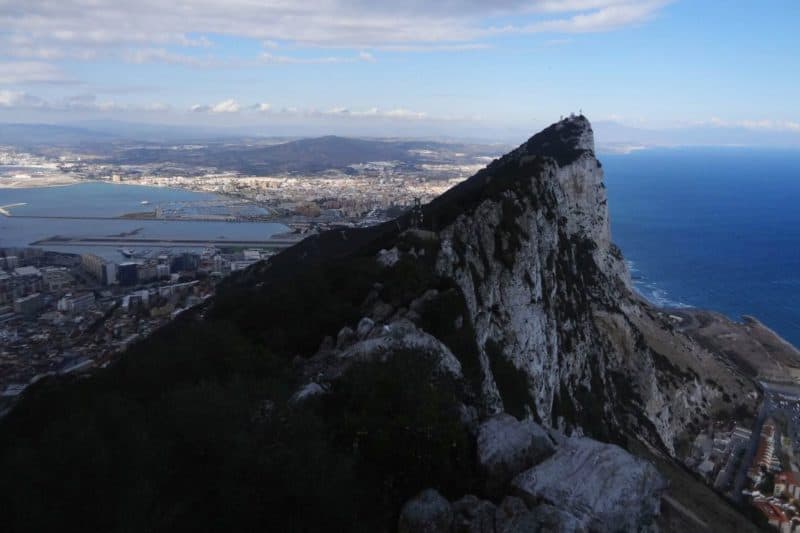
(507, 446)
(555, 331)
(371, 342)
(513, 287)
(601, 485)
(560, 484)
(549, 294)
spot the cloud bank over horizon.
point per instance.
(455, 66)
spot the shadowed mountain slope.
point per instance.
(470, 352)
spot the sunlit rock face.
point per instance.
(548, 292)
(550, 328)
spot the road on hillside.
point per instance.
(750, 452)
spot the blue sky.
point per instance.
(639, 69)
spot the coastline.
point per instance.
(758, 351)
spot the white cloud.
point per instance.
(156, 107)
(39, 28)
(77, 102)
(87, 102)
(753, 124)
(14, 73)
(399, 113)
(226, 106)
(17, 99)
(268, 58)
(161, 55)
(457, 47)
(366, 56)
(609, 17)
(199, 42)
(375, 112)
(405, 114)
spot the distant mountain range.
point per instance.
(617, 137)
(104, 131)
(132, 144)
(304, 155)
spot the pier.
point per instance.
(4, 209)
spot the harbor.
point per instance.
(90, 218)
(271, 244)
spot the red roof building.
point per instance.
(774, 514)
(787, 483)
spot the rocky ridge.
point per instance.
(562, 484)
(485, 353)
(555, 334)
(559, 336)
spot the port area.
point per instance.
(160, 242)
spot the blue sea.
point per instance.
(712, 228)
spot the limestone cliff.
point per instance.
(475, 352)
(549, 292)
(557, 331)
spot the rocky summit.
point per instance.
(479, 364)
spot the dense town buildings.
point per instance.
(758, 467)
(57, 319)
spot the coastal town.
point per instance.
(64, 313)
(756, 462)
(69, 313)
(355, 194)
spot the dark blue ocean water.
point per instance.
(712, 228)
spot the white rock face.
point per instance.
(581, 486)
(365, 325)
(377, 342)
(398, 336)
(507, 446)
(549, 293)
(559, 335)
(307, 391)
(388, 258)
(515, 303)
(602, 485)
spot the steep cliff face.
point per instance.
(532, 261)
(548, 292)
(556, 332)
